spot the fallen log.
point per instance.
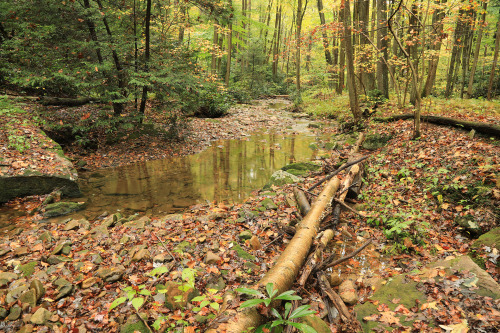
(302, 201)
(438, 120)
(330, 263)
(58, 101)
(336, 172)
(283, 274)
(315, 257)
(334, 297)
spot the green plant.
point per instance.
(281, 321)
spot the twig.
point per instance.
(326, 265)
(331, 175)
(276, 239)
(166, 248)
(349, 208)
(142, 319)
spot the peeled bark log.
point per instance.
(315, 257)
(302, 201)
(469, 125)
(286, 269)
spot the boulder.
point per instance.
(62, 208)
(301, 168)
(41, 316)
(280, 178)
(348, 293)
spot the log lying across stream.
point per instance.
(483, 128)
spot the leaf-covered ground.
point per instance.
(413, 193)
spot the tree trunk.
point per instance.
(215, 46)
(146, 56)
(229, 49)
(297, 41)
(476, 50)
(324, 37)
(495, 60)
(341, 67)
(437, 33)
(382, 69)
(351, 80)
(365, 68)
(458, 42)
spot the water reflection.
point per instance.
(228, 171)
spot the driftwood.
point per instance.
(66, 101)
(315, 257)
(283, 274)
(302, 201)
(438, 120)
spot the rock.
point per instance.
(59, 246)
(335, 279)
(15, 313)
(139, 224)
(347, 291)
(66, 250)
(176, 298)
(242, 253)
(28, 328)
(34, 182)
(96, 259)
(280, 178)
(472, 133)
(6, 278)
(54, 260)
(134, 324)
(375, 141)
(255, 243)
(216, 282)
(39, 289)
(29, 296)
(65, 291)
(316, 323)
(90, 282)
(41, 316)
(3, 313)
(162, 257)
(491, 239)
(21, 251)
(45, 237)
(211, 258)
(62, 208)
(375, 283)
(468, 223)
(111, 274)
(125, 239)
(255, 268)
(301, 168)
(28, 269)
(244, 235)
(142, 254)
(72, 225)
(268, 204)
(15, 292)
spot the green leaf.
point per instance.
(303, 327)
(249, 291)
(250, 302)
(277, 323)
(301, 311)
(276, 313)
(288, 296)
(199, 298)
(204, 303)
(137, 302)
(159, 271)
(270, 290)
(215, 306)
(117, 302)
(145, 292)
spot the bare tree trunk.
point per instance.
(276, 43)
(147, 56)
(366, 74)
(297, 41)
(476, 50)
(324, 37)
(215, 45)
(229, 49)
(351, 80)
(341, 68)
(382, 69)
(495, 60)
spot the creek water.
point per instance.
(228, 170)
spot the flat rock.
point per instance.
(142, 254)
(41, 316)
(255, 243)
(348, 293)
(90, 282)
(15, 313)
(211, 258)
(244, 235)
(29, 296)
(72, 225)
(111, 274)
(39, 289)
(62, 208)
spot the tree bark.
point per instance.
(229, 49)
(382, 45)
(147, 55)
(351, 81)
(495, 60)
(477, 49)
(283, 274)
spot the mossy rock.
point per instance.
(176, 298)
(491, 239)
(268, 204)
(375, 141)
(300, 169)
(134, 324)
(398, 287)
(62, 208)
(28, 269)
(242, 253)
(280, 178)
(317, 323)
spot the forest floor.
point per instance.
(413, 194)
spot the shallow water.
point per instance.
(228, 171)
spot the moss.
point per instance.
(134, 324)
(300, 169)
(28, 269)
(62, 208)
(397, 288)
(491, 239)
(242, 253)
(375, 141)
